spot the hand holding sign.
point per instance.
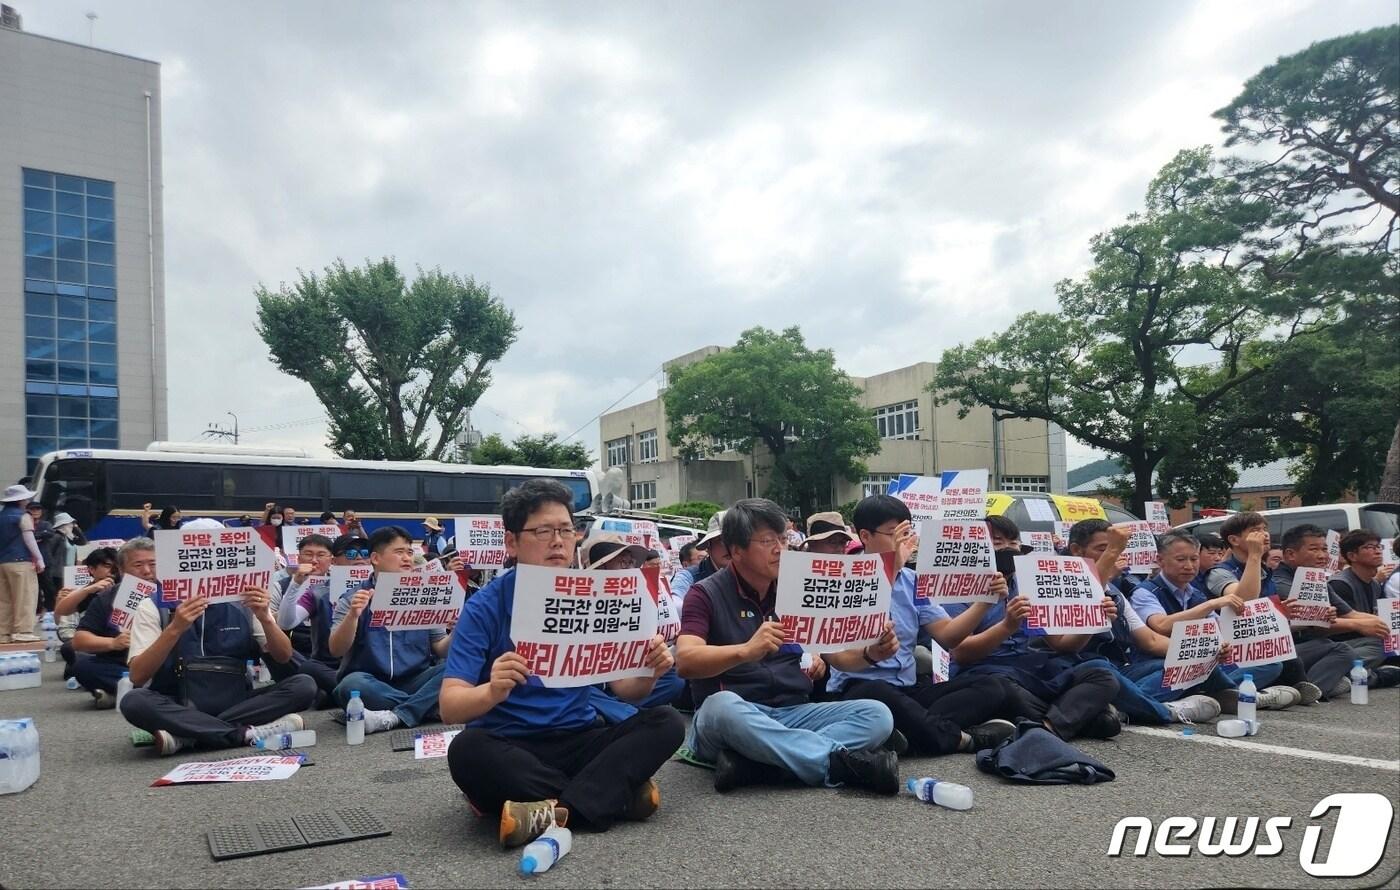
(764, 642)
(1017, 608)
(507, 672)
(885, 647)
(358, 602)
(256, 601)
(187, 613)
(659, 657)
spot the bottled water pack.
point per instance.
(19, 755)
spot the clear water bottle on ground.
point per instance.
(123, 687)
(51, 641)
(355, 720)
(302, 738)
(542, 853)
(1248, 703)
(945, 794)
(19, 755)
(72, 685)
(1360, 686)
(252, 672)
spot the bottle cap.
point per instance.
(354, 693)
(1188, 730)
(1249, 677)
(1356, 663)
(126, 674)
(527, 864)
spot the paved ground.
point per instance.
(94, 820)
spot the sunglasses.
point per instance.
(355, 553)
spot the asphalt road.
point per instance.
(93, 819)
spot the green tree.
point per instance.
(532, 451)
(493, 451)
(388, 360)
(700, 510)
(773, 390)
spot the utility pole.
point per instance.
(996, 451)
(218, 432)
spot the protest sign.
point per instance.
(577, 627)
(1258, 634)
(1388, 557)
(345, 579)
(963, 496)
(1334, 550)
(668, 612)
(942, 662)
(1064, 595)
(128, 599)
(416, 600)
(393, 881)
(243, 769)
(1158, 517)
(1193, 653)
(1062, 531)
(481, 540)
(998, 504)
(1310, 591)
(830, 603)
(1073, 510)
(920, 494)
(955, 563)
(430, 745)
(216, 565)
(1388, 610)
(1040, 542)
(77, 576)
(293, 535)
(99, 543)
(1141, 551)
(1039, 510)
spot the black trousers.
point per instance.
(594, 772)
(1091, 690)
(931, 715)
(94, 673)
(152, 711)
(1325, 660)
(324, 675)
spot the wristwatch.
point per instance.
(865, 653)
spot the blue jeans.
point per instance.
(414, 699)
(1141, 693)
(1264, 674)
(798, 737)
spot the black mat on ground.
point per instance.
(402, 739)
(309, 830)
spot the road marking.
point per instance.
(1260, 748)
(1345, 730)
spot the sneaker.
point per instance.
(104, 700)
(897, 742)
(1105, 724)
(523, 822)
(990, 734)
(167, 744)
(645, 801)
(289, 723)
(734, 770)
(1229, 700)
(1387, 675)
(1342, 688)
(27, 638)
(1194, 709)
(381, 721)
(876, 770)
(1310, 693)
(1278, 698)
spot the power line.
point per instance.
(645, 379)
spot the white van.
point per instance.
(1381, 518)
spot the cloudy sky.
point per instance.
(639, 180)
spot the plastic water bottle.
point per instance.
(541, 854)
(945, 794)
(355, 720)
(1360, 685)
(51, 641)
(251, 670)
(1247, 704)
(19, 755)
(72, 685)
(123, 687)
(302, 738)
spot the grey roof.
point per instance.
(1269, 476)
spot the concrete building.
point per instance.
(82, 291)
(915, 437)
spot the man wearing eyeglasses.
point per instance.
(303, 601)
(543, 756)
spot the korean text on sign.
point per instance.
(920, 494)
(1388, 610)
(480, 540)
(955, 563)
(1257, 634)
(132, 592)
(1158, 518)
(1064, 595)
(243, 769)
(1193, 654)
(76, 576)
(964, 495)
(579, 627)
(1313, 603)
(1074, 509)
(830, 603)
(416, 600)
(1040, 542)
(344, 579)
(293, 535)
(216, 565)
(1141, 552)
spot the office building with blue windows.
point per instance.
(82, 328)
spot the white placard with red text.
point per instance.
(243, 769)
(416, 600)
(1388, 609)
(480, 540)
(1064, 595)
(668, 611)
(1334, 550)
(76, 576)
(430, 745)
(1258, 634)
(1040, 542)
(130, 594)
(345, 579)
(576, 627)
(1194, 652)
(955, 563)
(1388, 557)
(216, 565)
(98, 544)
(293, 535)
(1158, 517)
(830, 603)
(1062, 531)
(1310, 591)
(921, 496)
(1141, 552)
(963, 496)
(942, 662)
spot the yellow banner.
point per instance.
(998, 504)
(1075, 509)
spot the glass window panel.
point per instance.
(102, 332)
(38, 199)
(99, 187)
(41, 426)
(70, 226)
(73, 428)
(104, 443)
(40, 389)
(37, 403)
(42, 445)
(104, 429)
(38, 221)
(105, 276)
(36, 244)
(67, 389)
(103, 375)
(104, 392)
(72, 351)
(66, 202)
(102, 353)
(74, 442)
(35, 369)
(71, 372)
(72, 307)
(99, 229)
(100, 311)
(38, 267)
(71, 249)
(103, 409)
(39, 178)
(100, 252)
(99, 208)
(39, 348)
(69, 290)
(38, 325)
(38, 304)
(72, 406)
(100, 293)
(35, 286)
(72, 271)
(68, 183)
(71, 329)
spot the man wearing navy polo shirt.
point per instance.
(543, 756)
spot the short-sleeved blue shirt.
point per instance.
(908, 616)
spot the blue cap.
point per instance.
(1248, 676)
(1356, 663)
(354, 693)
(527, 864)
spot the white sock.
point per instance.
(381, 721)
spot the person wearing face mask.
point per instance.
(270, 530)
(60, 551)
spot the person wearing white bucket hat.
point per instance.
(716, 558)
(20, 564)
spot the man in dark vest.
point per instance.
(1354, 592)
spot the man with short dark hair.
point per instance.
(1213, 550)
(302, 602)
(536, 754)
(689, 555)
(99, 658)
(753, 716)
(1354, 592)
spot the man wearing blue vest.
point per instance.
(397, 672)
(538, 755)
(188, 667)
(304, 600)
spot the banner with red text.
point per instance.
(480, 540)
(1257, 634)
(216, 565)
(955, 563)
(1388, 609)
(132, 592)
(1194, 652)
(1310, 591)
(1141, 552)
(830, 603)
(293, 535)
(963, 496)
(1064, 595)
(416, 600)
(1158, 517)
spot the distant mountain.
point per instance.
(1108, 466)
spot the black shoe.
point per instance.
(1387, 675)
(1105, 725)
(900, 745)
(990, 734)
(734, 770)
(876, 770)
